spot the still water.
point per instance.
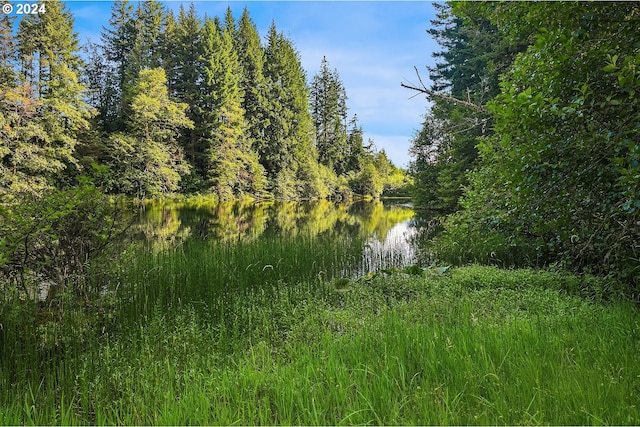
(379, 234)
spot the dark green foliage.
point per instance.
(117, 45)
(475, 54)
(231, 167)
(289, 152)
(566, 137)
(558, 176)
(54, 236)
(328, 104)
(253, 83)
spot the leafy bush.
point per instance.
(558, 179)
(50, 240)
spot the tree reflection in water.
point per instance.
(385, 228)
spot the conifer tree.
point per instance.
(252, 83)
(230, 165)
(328, 103)
(289, 131)
(7, 51)
(355, 149)
(147, 159)
(169, 47)
(229, 22)
(147, 49)
(117, 43)
(474, 55)
(186, 75)
(45, 111)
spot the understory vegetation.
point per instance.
(472, 345)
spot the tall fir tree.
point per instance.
(289, 132)
(252, 82)
(147, 49)
(231, 167)
(45, 111)
(8, 51)
(186, 79)
(328, 103)
(117, 43)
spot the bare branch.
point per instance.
(423, 89)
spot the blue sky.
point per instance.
(374, 45)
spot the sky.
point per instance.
(374, 45)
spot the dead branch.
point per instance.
(423, 89)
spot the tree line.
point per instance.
(532, 141)
(176, 103)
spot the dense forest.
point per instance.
(169, 104)
(532, 139)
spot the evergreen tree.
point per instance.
(150, 21)
(328, 103)
(147, 50)
(169, 49)
(187, 77)
(147, 160)
(355, 149)
(45, 111)
(229, 22)
(7, 51)
(474, 54)
(117, 43)
(253, 84)
(230, 165)
(289, 131)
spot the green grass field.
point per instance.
(474, 345)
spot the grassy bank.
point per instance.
(474, 345)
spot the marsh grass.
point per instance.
(209, 334)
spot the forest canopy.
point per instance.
(171, 103)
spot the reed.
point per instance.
(208, 334)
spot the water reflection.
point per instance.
(385, 228)
(395, 249)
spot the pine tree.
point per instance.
(44, 112)
(328, 103)
(147, 159)
(252, 83)
(289, 131)
(230, 165)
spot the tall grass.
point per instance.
(261, 334)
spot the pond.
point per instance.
(364, 236)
